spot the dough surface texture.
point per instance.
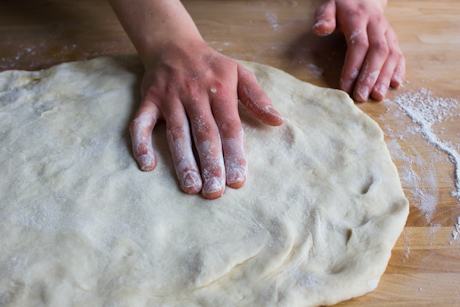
(81, 225)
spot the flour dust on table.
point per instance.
(81, 225)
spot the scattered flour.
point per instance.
(456, 232)
(415, 171)
(434, 228)
(272, 19)
(425, 109)
(315, 70)
(407, 242)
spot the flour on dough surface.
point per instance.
(81, 225)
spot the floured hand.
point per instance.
(195, 90)
(192, 86)
(374, 61)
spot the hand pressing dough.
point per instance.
(81, 225)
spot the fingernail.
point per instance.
(146, 162)
(191, 179)
(212, 185)
(318, 23)
(235, 175)
(346, 85)
(363, 92)
(273, 112)
(381, 89)
(398, 79)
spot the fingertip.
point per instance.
(346, 85)
(235, 178)
(398, 77)
(379, 92)
(143, 151)
(399, 73)
(236, 185)
(141, 130)
(143, 154)
(213, 188)
(396, 81)
(146, 162)
(276, 118)
(361, 94)
(325, 16)
(212, 196)
(323, 27)
(191, 183)
(256, 100)
(377, 96)
(277, 122)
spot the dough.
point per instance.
(81, 225)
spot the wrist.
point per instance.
(175, 46)
(155, 26)
(382, 4)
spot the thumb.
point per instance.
(141, 136)
(325, 19)
(254, 98)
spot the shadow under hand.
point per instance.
(318, 60)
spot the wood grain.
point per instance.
(425, 266)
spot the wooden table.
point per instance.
(425, 266)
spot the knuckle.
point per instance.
(378, 19)
(176, 132)
(135, 125)
(252, 76)
(362, 43)
(170, 90)
(248, 74)
(229, 103)
(380, 47)
(354, 13)
(230, 128)
(402, 60)
(152, 93)
(357, 12)
(393, 54)
(203, 130)
(192, 88)
(320, 11)
(132, 125)
(218, 88)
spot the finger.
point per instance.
(325, 17)
(376, 57)
(399, 73)
(225, 109)
(254, 98)
(358, 45)
(383, 82)
(141, 135)
(180, 145)
(209, 147)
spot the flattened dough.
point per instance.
(81, 225)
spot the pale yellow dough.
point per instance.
(81, 225)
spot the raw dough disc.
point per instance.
(81, 225)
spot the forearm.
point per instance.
(152, 25)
